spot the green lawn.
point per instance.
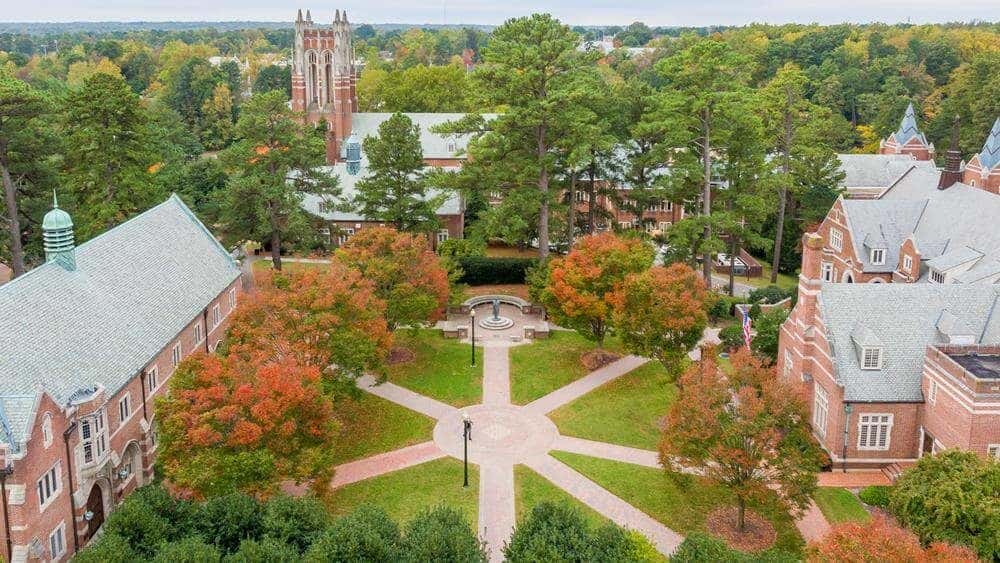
(441, 368)
(373, 425)
(840, 505)
(264, 264)
(785, 281)
(546, 365)
(681, 502)
(405, 493)
(530, 489)
(626, 411)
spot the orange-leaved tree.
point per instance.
(406, 273)
(234, 423)
(881, 540)
(746, 430)
(581, 284)
(661, 312)
(328, 316)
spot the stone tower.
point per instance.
(324, 80)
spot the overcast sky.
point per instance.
(583, 12)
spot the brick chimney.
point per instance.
(952, 173)
(809, 278)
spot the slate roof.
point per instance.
(903, 337)
(433, 144)
(908, 128)
(881, 224)
(135, 288)
(317, 205)
(876, 172)
(989, 157)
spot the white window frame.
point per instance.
(665, 225)
(93, 437)
(443, 235)
(993, 450)
(175, 354)
(869, 353)
(346, 233)
(826, 271)
(197, 332)
(232, 299)
(48, 486)
(880, 253)
(57, 541)
(152, 378)
(124, 408)
(836, 239)
(936, 276)
(625, 225)
(216, 316)
(821, 410)
(668, 206)
(881, 425)
(932, 387)
(907, 263)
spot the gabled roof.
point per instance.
(872, 174)
(134, 289)
(903, 318)
(908, 128)
(433, 144)
(989, 157)
(881, 224)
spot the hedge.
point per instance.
(487, 270)
(875, 495)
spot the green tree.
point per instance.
(225, 521)
(367, 534)
(266, 550)
(952, 497)
(636, 34)
(294, 522)
(187, 550)
(108, 154)
(111, 548)
(441, 534)
(768, 327)
(272, 163)
(395, 190)
(217, 112)
(274, 77)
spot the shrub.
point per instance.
(442, 534)
(267, 550)
(188, 550)
(731, 337)
(551, 532)
(698, 547)
(952, 497)
(296, 522)
(613, 543)
(462, 247)
(111, 548)
(770, 294)
(367, 534)
(227, 520)
(768, 327)
(880, 540)
(486, 270)
(875, 495)
(721, 306)
(139, 525)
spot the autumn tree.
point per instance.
(580, 292)
(660, 312)
(329, 317)
(238, 423)
(406, 274)
(272, 164)
(881, 540)
(395, 189)
(746, 430)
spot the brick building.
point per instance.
(89, 340)
(983, 169)
(893, 371)
(908, 139)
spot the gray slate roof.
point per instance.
(876, 172)
(989, 157)
(904, 337)
(135, 288)
(317, 205)
(881, 224)
(908, 128)
(434, 145)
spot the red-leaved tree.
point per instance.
(406, 273)
(234, 423)
(882, 541)
(581, 285)
(746, 430)
(660, 312)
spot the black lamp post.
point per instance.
(472, 337)
(466, 438)
(847, 432)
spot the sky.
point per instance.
(573, 12)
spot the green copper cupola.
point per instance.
(57, 234)
(353, 154)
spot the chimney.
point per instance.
(952, 172)
(809, 279)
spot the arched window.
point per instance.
(47, 430)
(328, 75)
(313, 78)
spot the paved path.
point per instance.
(605, 450)
(598, 498)
(812, 524)
(496, 375)
(403, 396)
(496, 506)
(584, 385)
(380, 464)
(852, 479)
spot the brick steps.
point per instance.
(892, 472)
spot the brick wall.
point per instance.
(961, 409)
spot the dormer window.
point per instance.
(937, 276)
(878, 256)
(871, 358)
(907, 263)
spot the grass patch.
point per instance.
(625, 411)
(680, 502)
(264, 265)
(531, 489)
(440, 368)
(840, 505)
(373, 425)
(784, 281)
(546, 365)
(403, 494)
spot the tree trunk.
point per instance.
(733, 249)
(543, 187)
(592, 196)
(571, 211)
(275, 237)
(14, 223)
(706, 259)
(741, 523)
(782, 204)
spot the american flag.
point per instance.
(746, 327)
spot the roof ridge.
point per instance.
(194, 218)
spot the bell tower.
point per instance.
(324, 79)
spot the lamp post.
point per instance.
(847, 432)
(472, 332)
(466, 438)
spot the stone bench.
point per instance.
(525, 307)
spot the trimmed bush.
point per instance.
(228, 520)
(188, 550)
(875, 495)
(295, 522)
(487, 270)
(367, 534)
(111, 548)
(770, 294)
(721, 306)
(551, 532)
(267, 550)
(731, 337)
(442, 534)
(699, 547)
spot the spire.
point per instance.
(57, 236)
(989, 158)
(336, 17)
(952, 172)
(345, 16)
(298, 19)
(908, 127)
(309, 17)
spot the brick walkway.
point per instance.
(812, 524)
(605, 450)
(403, 396)
(585, 385)
(496, 375)
(496, 506)
(852, 479)
(380, 464)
